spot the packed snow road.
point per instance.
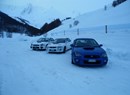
(27, 72)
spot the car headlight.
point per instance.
(59, 47)
(77, 54)
(42, 45)
(104, 55)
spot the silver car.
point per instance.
(59, 45)
(41, 43)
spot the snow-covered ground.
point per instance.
(27, 72)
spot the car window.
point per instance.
(42, 40)
(86, 42)
(59, 41)
(51, 39)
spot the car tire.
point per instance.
(33, 49)
(72, 60)
(64, 50)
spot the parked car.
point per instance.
(59, 45)
(41, 43)
(87, 52)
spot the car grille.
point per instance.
(86, 62)
(52, 47)
(91, 56)
(35, 45)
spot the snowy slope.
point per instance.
(118, 16)
(112, 16)
(37, 16)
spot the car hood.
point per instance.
(90, 50)
(59, 44)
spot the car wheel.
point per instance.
(64, 50)
(72, 60)
(33, 49)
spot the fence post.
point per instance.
(78, 31)
(106, 28)
(64, 32)
(105, 7)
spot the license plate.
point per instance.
(53, 50)
(91, 60)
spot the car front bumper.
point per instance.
(38, 47)
(90, 61)
(55, 49)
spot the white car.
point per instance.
(59, 45)
(41, 44)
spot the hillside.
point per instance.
(110, 16)
(117, 17)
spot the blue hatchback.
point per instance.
(87, 52)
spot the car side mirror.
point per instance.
(101, 45)
(72, 45)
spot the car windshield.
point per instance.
(59, 41)
(42, 40)
(86, 43)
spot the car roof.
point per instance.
(84, 39)
(61, 38)
(44, 38)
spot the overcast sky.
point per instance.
(68, 7)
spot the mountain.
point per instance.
(34, 15)
(10, 24)
(20, 25)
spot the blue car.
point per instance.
(87, 52)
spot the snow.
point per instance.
(112, 16)
(27, 72)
